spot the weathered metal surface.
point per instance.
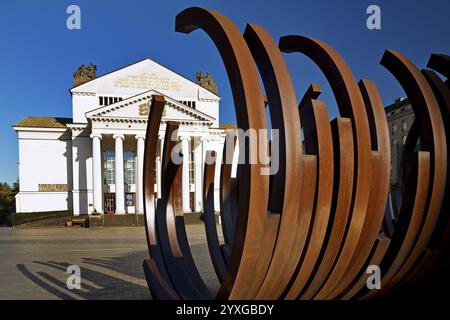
(312, 228)
(217, 255)
(284, 185)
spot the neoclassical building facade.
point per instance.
(93, 162)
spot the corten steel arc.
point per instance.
(256, 229)
(284, 115)
(311, 230)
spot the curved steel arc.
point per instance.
(310, 229)
(351, 105)
(318, 140)
(157, 275)
(256, 231)
(228, 196)
(381, 160)
(215, 251)
(342, 196)
(284, 187)
(432, 137)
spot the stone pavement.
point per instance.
(33, 262)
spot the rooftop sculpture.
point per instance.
(84, 74)
(207, 82)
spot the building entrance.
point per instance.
(110, 203)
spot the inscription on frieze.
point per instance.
(147, 81)
(55, 187)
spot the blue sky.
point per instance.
(39, 54)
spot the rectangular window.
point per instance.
(109, 166)
(100, 100)
(394, 127)
(129, 167)
(404, 125)
(129, 199)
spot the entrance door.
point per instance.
(110, 203)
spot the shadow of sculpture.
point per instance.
(105, 277)
(104, 281)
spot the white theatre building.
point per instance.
(94, 161)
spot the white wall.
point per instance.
(82, 104)
(44, 158)
(211, 109)
(82, 175)
(42, 201)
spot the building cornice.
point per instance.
(38, 129)
(77, 126)
(144, 121)
(146, 97)
(208, 100)
(90, 94)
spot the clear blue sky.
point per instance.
(39, 54)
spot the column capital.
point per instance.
(139, 136)
(118, 136)
(182, 138)
(202, 139)
(96, 135)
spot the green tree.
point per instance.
(7, 201)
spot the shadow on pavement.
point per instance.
(112, 281)
(107, 278)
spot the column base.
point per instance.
(120, 212)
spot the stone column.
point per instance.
(161, 146)
(185, 177)
(97, 172)
(217, 171)
(120, 192)
(198, 162)
(140, 175)
(204, 141)
(159, 167)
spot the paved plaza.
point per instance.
(33, 262)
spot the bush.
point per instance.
(7, 201)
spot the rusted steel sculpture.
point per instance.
(310, 230)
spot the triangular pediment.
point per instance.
(138, 108)
(143, 76)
